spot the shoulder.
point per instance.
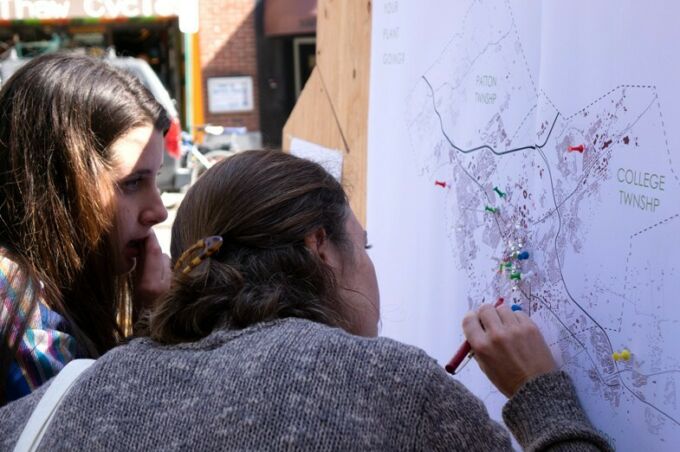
(441, 411)
(339, 345)
(14, 415)
(394, 368)
(44, 343)
(294, 344)
(292, 333)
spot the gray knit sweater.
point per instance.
(294, 385)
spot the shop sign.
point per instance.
(93, 9)
(230, 94)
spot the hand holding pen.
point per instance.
(507, 345)
(464, 352)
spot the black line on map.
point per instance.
(653, 374)
(546, 305)
(485, 146)
(573, 300)
(587, 170)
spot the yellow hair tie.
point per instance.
(206, 246)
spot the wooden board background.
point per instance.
(332, 109)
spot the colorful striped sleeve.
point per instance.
(46, 345)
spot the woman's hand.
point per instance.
(152, 274)
(508, 346)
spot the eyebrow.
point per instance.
(141, 172)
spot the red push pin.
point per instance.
(440, 183)
(580, 148)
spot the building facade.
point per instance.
(235, 63)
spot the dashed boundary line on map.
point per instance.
(599, 99)
(521, 124)
(484, 146)
(666, 220)
(557, 206)
(630, 244)
(598, 325)
(661, 118)
(550, 101)
(519, 41)
(587, 169)
(665, 137)
(526, 62)
(454, 36)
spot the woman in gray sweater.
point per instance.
(267, 341)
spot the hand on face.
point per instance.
(508, 346)
(139, 155)
(152, 273)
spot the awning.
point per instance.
(289, 17)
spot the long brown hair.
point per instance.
(59, 116)
(263, 204)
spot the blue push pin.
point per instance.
(524, 255)
(516, 307)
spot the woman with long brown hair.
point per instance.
(266, 341)
(80, 145)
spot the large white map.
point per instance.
(529, 150)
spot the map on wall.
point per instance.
(529, 151)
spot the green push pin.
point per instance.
(499, 192)
(491, 209)
(516, 276)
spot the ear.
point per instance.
(317, 243)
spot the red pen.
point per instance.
(464, 350)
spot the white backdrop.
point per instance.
(477, 95)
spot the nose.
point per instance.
(155, 212)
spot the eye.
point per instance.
(131, 184)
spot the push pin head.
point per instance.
(491, 209)
(516, 276)
(625, 354)
(524, 255)
(440, 183)
(580, 148)
(616, 356)
(516, 307)
(499, 192)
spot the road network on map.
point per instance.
(583, 192)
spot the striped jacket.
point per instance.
(46, 345)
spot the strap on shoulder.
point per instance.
(49, 403)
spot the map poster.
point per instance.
(529, 150)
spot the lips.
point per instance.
(133, 248)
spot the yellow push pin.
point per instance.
(616, 356)
(625, 354)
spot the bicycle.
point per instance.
(217, 144)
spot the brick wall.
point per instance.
(228, 48)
